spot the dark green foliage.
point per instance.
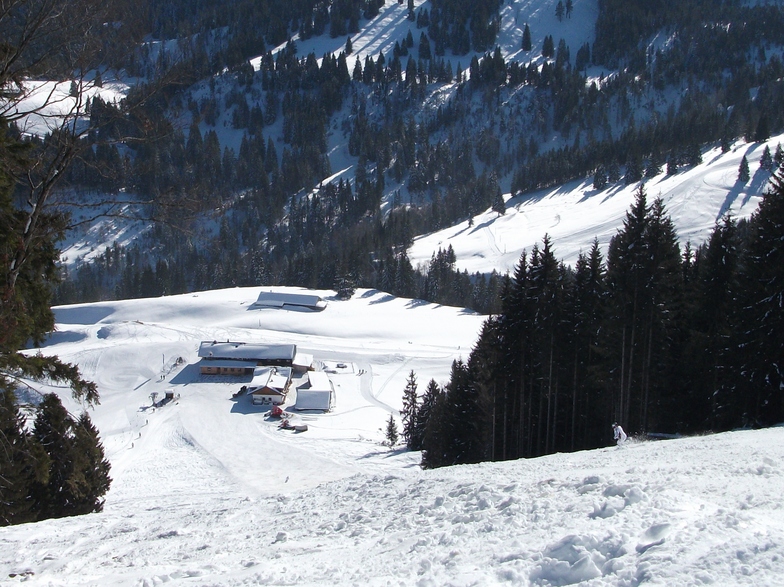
(23, 464)
(766, 161)
(409, 414)
(712, 283)
(643, 268)
(78, 474)
(456, 430)
(433, 423)
(743, 170)
(600, 178)
(391, 433)
(760, 326)
(526, 43)
(499, 206)
(548, 47)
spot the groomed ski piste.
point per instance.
(207, 491)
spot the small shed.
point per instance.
(317, 393)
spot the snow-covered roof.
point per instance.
(272, 299)
(267, 380)
(280, 378)
(303, 359)
(247, 351)
(317, 381)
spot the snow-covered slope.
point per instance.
(207, 491)
(391, 25)
(574, 214)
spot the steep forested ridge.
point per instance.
(683, 76)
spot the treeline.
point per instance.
(658, 338)
(216, 35)
(167, 261)
(56, 469)
(728, 28)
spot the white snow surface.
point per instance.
(207, 491)
(47, 104)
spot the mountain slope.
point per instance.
(575, 213)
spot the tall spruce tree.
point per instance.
(743, 170)
(643, 265)
(78, 475)
(431, 418)
(526, 43)
(709, 396)
(391, 433)
(53, 428)
(23, 463)
(761, 321)
(589, 411)
(91, 480)
(408, 414)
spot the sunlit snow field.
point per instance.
(207, 491)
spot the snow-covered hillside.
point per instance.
(207, 491)
(576, 213)
(380, 34)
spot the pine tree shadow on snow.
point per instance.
(751, 188)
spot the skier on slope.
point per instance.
(618, 434)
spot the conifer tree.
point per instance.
(761, 320)
(91, 478)
(643, 269)
(526, 45)
(766, 161)
(548, 47)
(600, 178)
(53, 428)
(715, 297)
(424, 47)
(23, 463)
(463, 422)
(499, 206)
(391, 433)
(743, 170)
(672, 165)
(587, 319)
(426, 411)
(408, 414)
(778, 158)
(78, 475)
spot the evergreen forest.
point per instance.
(664, 339)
